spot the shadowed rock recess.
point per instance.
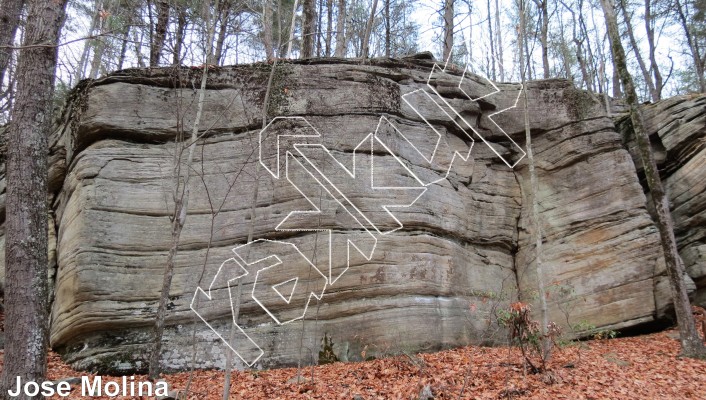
(457, 253)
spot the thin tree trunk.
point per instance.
(591, 60)
(267, 29)
(691, 343)
(318, 28)
(656, 91)
(499, 45)
(95, 21)
(633, 43)
(340, 29)
(179, 34)
(579, 46)
(693, 47)
(492, 43)
(10, 12)
(308, 28)
(160, 32)
(387, 29)
(181, 202)
(543, 9)
(138, 47)
(329, 28)
(123, 48)
(448, 28)
(534, 190)
(617, 92)
(99, 47)
(291, 29)
(223, 16)
(369, 29)
(26, 254)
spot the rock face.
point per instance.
(390, 190)
(677, 129)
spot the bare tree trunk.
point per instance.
(10, 12)
(123, 48)
(656, 92)
(179, 34)
(633, 43)
(693, 47)
(340, 29)
(617, 92)
(267, 29)
(691, 343)
(99, 46)
(329, 28)
(95, 21)
(492, 43)
(26, 290)
(290, 41)
(308, 28)
(590, 74)
(318, 28)
(534, 190)
(160, 32)
(543, 9)
(138, 47)
(499, 38)
(222, 18)
(448, 28)
(578, 41)
(387, 29)
(369, 29)
(180, 195)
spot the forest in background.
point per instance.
(665, 39)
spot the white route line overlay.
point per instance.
(436, 68)
(371, 138)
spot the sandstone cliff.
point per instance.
(458, 244)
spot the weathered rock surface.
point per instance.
(677, 129)
(435, 272)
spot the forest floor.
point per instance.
(640, 367)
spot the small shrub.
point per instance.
(526, 333)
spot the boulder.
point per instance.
(387, 202)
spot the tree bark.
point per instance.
(448, 28)
(123, 48)
(26, 290)
(633, 43)
(160, 32)
(689, 337)
(10, 12)
(387, 29)
(78, 74)
(290, 41)
(491, 39)
(656, 90)
(224, 13)
(267, 40)
(308, 28)
(693, 47)
(369, 29)
(340, 29)
(534, 211)
(329, 28)
(543, 8)
(179, 35)
(181, 192)
(499, 38)
(99, 47)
